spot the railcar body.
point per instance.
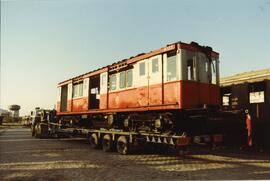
(178, 76)
(250, 90)
(154, 87)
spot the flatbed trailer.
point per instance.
(124, 141)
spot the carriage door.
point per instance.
(63, 104)
(155, 80)
(142, 83)
(94, 89)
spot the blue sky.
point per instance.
(44, 42)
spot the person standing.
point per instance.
(33, 124)
(249, 128)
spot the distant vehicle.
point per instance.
(26, 121)
(39, 121)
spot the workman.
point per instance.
(33, 126)
(249, 128)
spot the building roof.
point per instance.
(246, 77)
(3, 111)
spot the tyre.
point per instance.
(37, 131)
(122, 145)
(93, 140)
(33, 130)
(44, 133)
(107, 143)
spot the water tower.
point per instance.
(15, 110)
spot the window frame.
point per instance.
(155, 67)
(103, 79)
(115, 84)
(140, 69)
(127, 85)
(174, 56)
(214, 73)
(190, 70)
(77, 90)
(257, 89)
(122, 80)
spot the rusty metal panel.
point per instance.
(240, 96)
(267, 92)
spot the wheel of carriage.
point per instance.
(93, 140)
(122, 145)
(107, 143)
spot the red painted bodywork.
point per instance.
(69, 105)
(58, 106)
(195, 94)
(171, 95)
(80, 104)
(184, 94)
(177, 95)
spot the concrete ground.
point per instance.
(25, 158)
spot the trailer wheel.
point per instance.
(183, 151)
(107, 143)
(93, 140)
(122, 145)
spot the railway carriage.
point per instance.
(155, 91)
(250, 90)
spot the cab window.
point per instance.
(214, 72)
(190, 69)
(171, 66)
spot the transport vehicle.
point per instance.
(169, 96)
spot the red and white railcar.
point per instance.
(176, 77)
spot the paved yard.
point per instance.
(25, 158)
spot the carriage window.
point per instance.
(190, 69)
(80, 89)
(142, 69)
(256, 92)
(155, 65)
(122, 79)
(77, 90)
(113, 82)
(226, 99)
(206, 65)
(103, 79)
(256, 97)
(129, 78)
(171, 66)
(213, 72)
